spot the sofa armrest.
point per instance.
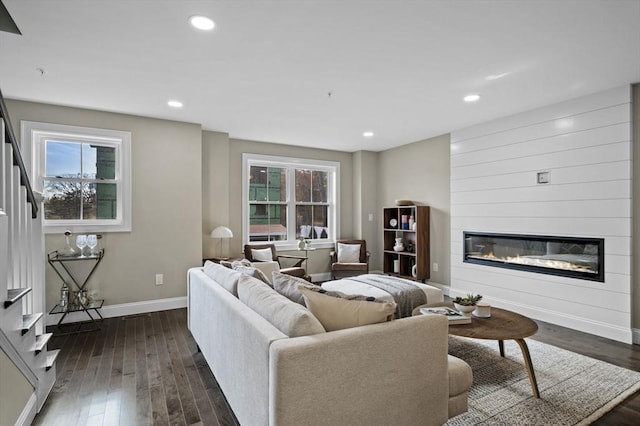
(388, 373)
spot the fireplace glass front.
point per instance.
(565, 256)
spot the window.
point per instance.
(83, 175)
(286, 199)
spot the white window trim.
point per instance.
(333, 167)
(33, 137)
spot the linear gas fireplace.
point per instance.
(565, 256)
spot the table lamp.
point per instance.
(221, 233)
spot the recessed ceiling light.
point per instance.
(175, 104)
(368, 134)
(471, 98)
(202, 22)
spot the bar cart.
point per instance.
(62, 266)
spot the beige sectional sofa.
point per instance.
(396, 372)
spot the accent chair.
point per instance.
(349, 258)
(259, 253)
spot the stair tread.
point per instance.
(41, 342)
(15, 294)
(51, 358)
(29, 320)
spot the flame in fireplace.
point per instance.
(536, 261)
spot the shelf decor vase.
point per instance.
(399, 246)
(68, 250)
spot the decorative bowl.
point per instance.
(404, 203)
(466, 310)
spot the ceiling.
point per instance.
(319, 73)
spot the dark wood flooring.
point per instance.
(146, 369)
(137, 370)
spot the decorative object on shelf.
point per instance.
(410, 247)
(405, 221)
(82, 297)
(221, 233)
(411, 222)
(404, 202)
(396, 266)
(467, 304)
(64, 296)
(398, 246)
(393, 223)
(81, 242)
(304, 243)
(414, 271)
(68, 250)
(92, 243)
(483, 310)
(414, 227)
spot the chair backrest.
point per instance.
(248, 255)
(363, 248)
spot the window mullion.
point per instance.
(291, 204)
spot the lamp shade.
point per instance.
(221, 232)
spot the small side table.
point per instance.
(306, 262)
(60, 265)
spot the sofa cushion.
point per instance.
(288, 286)
(337, 311)
(348, 253)
(227, 278)
(262, 255)
(245, 267)
(267, 268)
(287, 316)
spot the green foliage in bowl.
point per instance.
(469, 300)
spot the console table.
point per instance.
(61, 265)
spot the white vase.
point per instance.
(414, 271)
(399, 246)
(396, 266)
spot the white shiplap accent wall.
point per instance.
(585, 145)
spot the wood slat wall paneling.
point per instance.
(585, 145)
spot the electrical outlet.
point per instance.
(370, 217)
(435, 267)
(159, 279)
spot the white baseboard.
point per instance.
(110, 311)
(636, 336)
(28, 412)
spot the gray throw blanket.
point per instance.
(406, 295)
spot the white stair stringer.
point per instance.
(22, 291)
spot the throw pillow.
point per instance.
(337, 311)
(348, 253)
(287, 316)
(252, 272)
(262, 255)
(225, 277)
(288, 286)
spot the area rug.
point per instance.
(574, 389)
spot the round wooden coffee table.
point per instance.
(502, 325)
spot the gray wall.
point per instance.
(167, 209)
(420, 172)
